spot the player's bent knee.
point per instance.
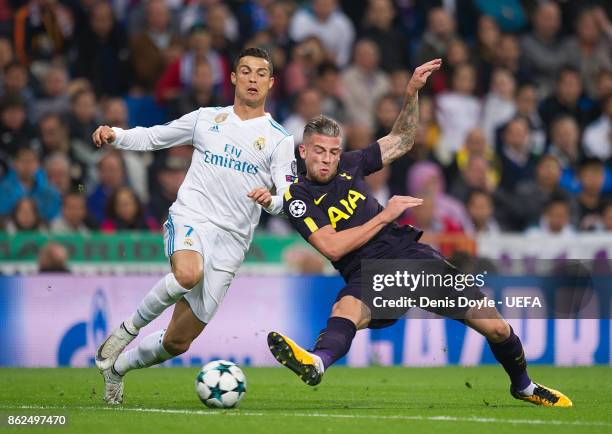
(188, 276)
(498, 331)
(176, 345)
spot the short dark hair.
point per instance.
(323, 125)
(557, 197)
(254, 52)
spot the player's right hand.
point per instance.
(103, 135)
(396, 207)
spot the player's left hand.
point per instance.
(422, 73)
(262, 196)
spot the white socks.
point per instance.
(528, 391)
(149, 352)
(164, 293)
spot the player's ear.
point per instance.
(271, 83)
(302, 149)
(233, 78)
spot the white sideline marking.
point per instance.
(440, 418)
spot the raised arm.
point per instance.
(175, 133)
(334, 245)
(401, 138)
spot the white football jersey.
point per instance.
(231, 158)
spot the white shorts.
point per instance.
(222, 253)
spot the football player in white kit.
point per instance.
(240, 154)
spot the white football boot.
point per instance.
(113, 346)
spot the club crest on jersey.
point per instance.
(221, 117)
(259, 143)
(188, 242)
(297, 208)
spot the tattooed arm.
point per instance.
(401, 138)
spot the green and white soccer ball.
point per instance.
(220, 384)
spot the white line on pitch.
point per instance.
(440, 418)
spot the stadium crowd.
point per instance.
(515, 131)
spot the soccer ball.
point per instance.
(220, 384)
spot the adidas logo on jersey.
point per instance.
(214, 128)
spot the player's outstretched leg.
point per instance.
(186, 274)
(156, 348)
(508, 351)
(332, 344)
(306, 365)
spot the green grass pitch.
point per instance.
(349, 400)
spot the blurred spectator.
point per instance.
(487, 45)
(54, 138)
(170, 175)
(53, 258)
(15, 132)
(517, 160)
(378, 184)
(83, 118)
(27, 179)
(498, 107)
(124, 211)
(532, 195)
(387, 111)
(542, 50)
(57, 168)
(392, 43)
(196, 14)
(136, 163)
(55, 98)
(16, 81)
(439, 34)
(326, 21)
(179, 74)
(564, 145)
(42, 30)
(307, 106)
(598, 135)
(589, 202)
(425, 180)
(358, 137)
(507, 56)
(111, 173)
(591, 48)
(556, 218)
(102, 52)
(479, 205)
(329, 84)
(567, 100)
(527, 108)
(6, 53)
(74, 216)
(199, 93)
(364, 83)
(425, 218)
(151, 50)
(25, 217)
(279, 15)
(457, 54)
(304, 65)
(221, 41)
(458, 111)
(475, 146)
(477, 173)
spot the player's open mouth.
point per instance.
(252, 90)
